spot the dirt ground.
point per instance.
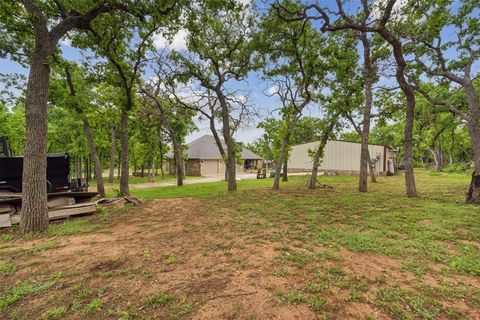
(213, 269)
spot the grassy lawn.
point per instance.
(139, 180)
(199, 189)
(199, 252)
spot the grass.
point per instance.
(7, 268)
(94, 305)
(70, 227)
(161, 299)
(23, 288)
(55, 313)
(330, 250)
(200, 190)
(138, 180)
(48, 245)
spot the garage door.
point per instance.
(209, 167)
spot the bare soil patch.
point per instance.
(192, 250)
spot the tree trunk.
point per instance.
(436, 160)
(408, 159)
(88, 134)
(230, 143)
(285, 170)
(177, 145)
(283, 148)
(280, 160)
(320, 152)
(177, 151)
(113, 150)
(97, 165)
(119, 167)
(473, 195)
(124, 188)
(160, 143)
(368, 77)
(373, 178)
(409, 93)
(452, 145)
(151, 173)
(180, 168)
(34, 184)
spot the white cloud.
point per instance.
(178, 42)
(397, 12)
(66, 42)
(272, 90)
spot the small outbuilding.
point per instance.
(342, 157)
(204, 159)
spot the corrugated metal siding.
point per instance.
(339, 155)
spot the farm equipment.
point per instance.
(66, 196)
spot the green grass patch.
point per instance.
(198, 190)
(291, 297)
(161, 299)
(468, 261)
(69, 227)
(47, 245)
(55, 313)
(7, 268)
(94, 306)
(28, 287)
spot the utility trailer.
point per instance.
(66, 196)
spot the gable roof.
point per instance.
(206, 148)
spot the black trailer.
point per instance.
(67, 195)
(58, 172)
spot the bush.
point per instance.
(459, 167)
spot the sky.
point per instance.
(257, 90)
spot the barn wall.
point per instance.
(340, 156)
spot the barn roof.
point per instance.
(206, 148)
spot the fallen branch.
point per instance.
(320, 185)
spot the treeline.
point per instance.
(405, 67)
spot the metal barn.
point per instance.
(342, 157)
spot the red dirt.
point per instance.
(176, 246)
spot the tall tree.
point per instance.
(328, 128)
(87, 130)
(126, 49)
(220, 48)
(433, 57)
(174, 117)
(308, 129)
(295, 68)
(386, 19)
(41, 25)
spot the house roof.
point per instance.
(206, 148)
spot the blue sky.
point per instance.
(254, 85)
